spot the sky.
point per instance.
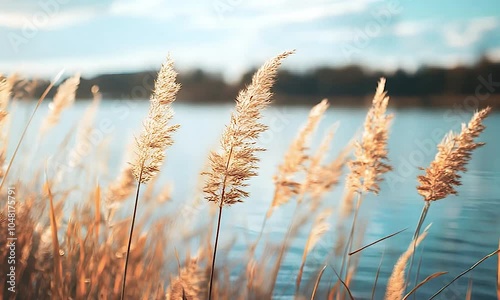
(40, 37)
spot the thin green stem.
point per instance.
(221, 204)
(215, 253)
(421, 221)
(130, 236)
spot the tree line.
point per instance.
(349, 85)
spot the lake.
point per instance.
(465, 227)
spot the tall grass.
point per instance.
(97, 249)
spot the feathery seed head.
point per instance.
(295, 158)
(237, 160)
(64, 98)
(157, 131)
(396, 285)
(370, 152)
(454, 152)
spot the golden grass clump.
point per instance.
(237, 162)
(64, 98)
(71, 245)
(454, 152)
(157, 133)
(371, 152)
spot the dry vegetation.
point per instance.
(88, 250)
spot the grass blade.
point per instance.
(377, 276)
(58, 279)
(377, 241)
(498, 275)
(465, 272)
(343, 283)
(429, 278)
(47, 90)
(318, 279)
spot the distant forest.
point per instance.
(350, 85)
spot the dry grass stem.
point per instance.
(498, 272)
(420, 284)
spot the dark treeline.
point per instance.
(429, 86)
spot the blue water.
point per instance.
(465, 227)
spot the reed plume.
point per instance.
(295, 159)
(189, 285)
(64, 98)
(321, 178)
(82, 147)
(154, 140)
(157, 131)
(370, 161)
(320, 227)
(454, 152)
(396, 285)
(370, 153)
(119, 190)
(237, 162)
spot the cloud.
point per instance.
(43, 20)
(412, 28)
(281, 14)
(49, 14)
(463, 35)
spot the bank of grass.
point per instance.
(94, 249)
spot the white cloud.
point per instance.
(463, 35)
(144, 8)
(285, 13)
(42, 20)
(412, 28)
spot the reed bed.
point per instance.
(99, 248)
